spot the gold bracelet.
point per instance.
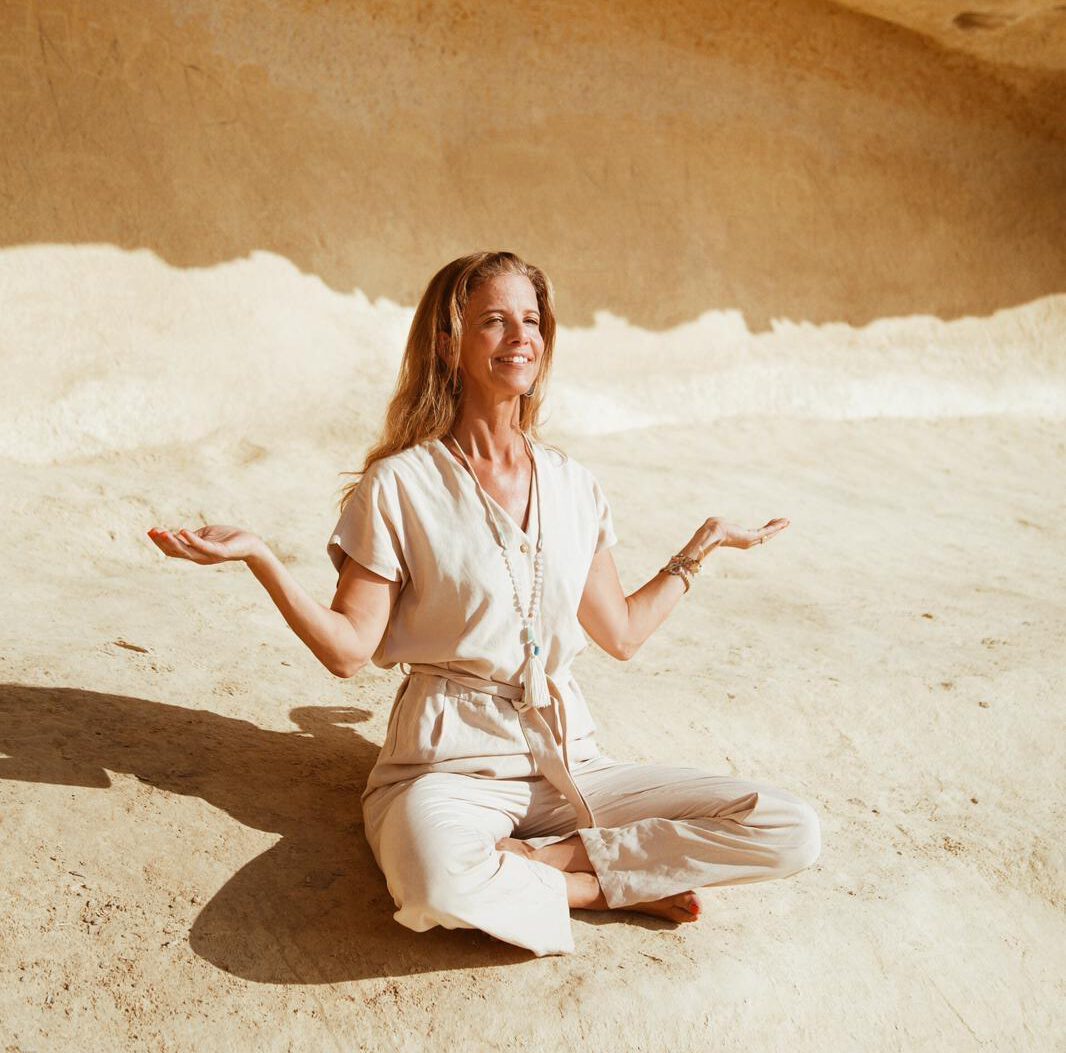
(685, 567)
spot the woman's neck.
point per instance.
(493, 437)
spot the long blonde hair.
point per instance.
(426, 399)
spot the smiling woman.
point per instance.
(475, 313)
(477, 558)
(511, 322)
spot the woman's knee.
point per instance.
(436, 899)
(804, 839)
(432, 870)
(428, 892)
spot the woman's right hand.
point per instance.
(208, 544)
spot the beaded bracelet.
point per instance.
(685, 567)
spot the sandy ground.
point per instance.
(184, 862)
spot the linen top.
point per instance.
(416, 517)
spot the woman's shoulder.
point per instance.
(564, 465)
(400, 465)
(556, 456)
(392, 479)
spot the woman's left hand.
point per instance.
(717, 532)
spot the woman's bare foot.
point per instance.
(583, 891)
(583, 888)
(519, 848)
(569, 856)
(685, 906)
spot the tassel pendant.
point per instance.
(535, 682)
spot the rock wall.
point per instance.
(785, 159)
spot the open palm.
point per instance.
(208, 544)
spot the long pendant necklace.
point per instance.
(534, 678)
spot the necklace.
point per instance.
(534, 679)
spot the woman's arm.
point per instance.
(343, 636)
(619, 623)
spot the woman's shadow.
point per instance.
(312, 909)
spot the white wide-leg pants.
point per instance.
(661, 830)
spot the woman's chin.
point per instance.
(506, 390)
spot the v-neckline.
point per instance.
(476, 484)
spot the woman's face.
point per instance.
(502, 346)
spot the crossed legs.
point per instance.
(502, 855)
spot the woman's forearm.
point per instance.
(648, 608)
(652, 603)
(329, 635)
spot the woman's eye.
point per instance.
(496, 320)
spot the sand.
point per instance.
(184, 860)
(809, 262)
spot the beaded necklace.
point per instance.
(534, 678)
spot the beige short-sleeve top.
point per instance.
(416, 517)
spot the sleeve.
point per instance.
(605, 525)
(370, 528)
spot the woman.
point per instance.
(477, 558)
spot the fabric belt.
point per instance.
(550, 755)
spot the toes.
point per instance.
(686, 907)
(682, 913)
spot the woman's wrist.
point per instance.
(683, 567)
(700, 551)
(259, 557)
(705, 540)
(693, 551)
(686, 564)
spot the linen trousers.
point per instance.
(660, 830)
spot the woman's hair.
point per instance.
(425, 401)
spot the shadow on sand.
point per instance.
(312, 909)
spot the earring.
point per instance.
(530, 393)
